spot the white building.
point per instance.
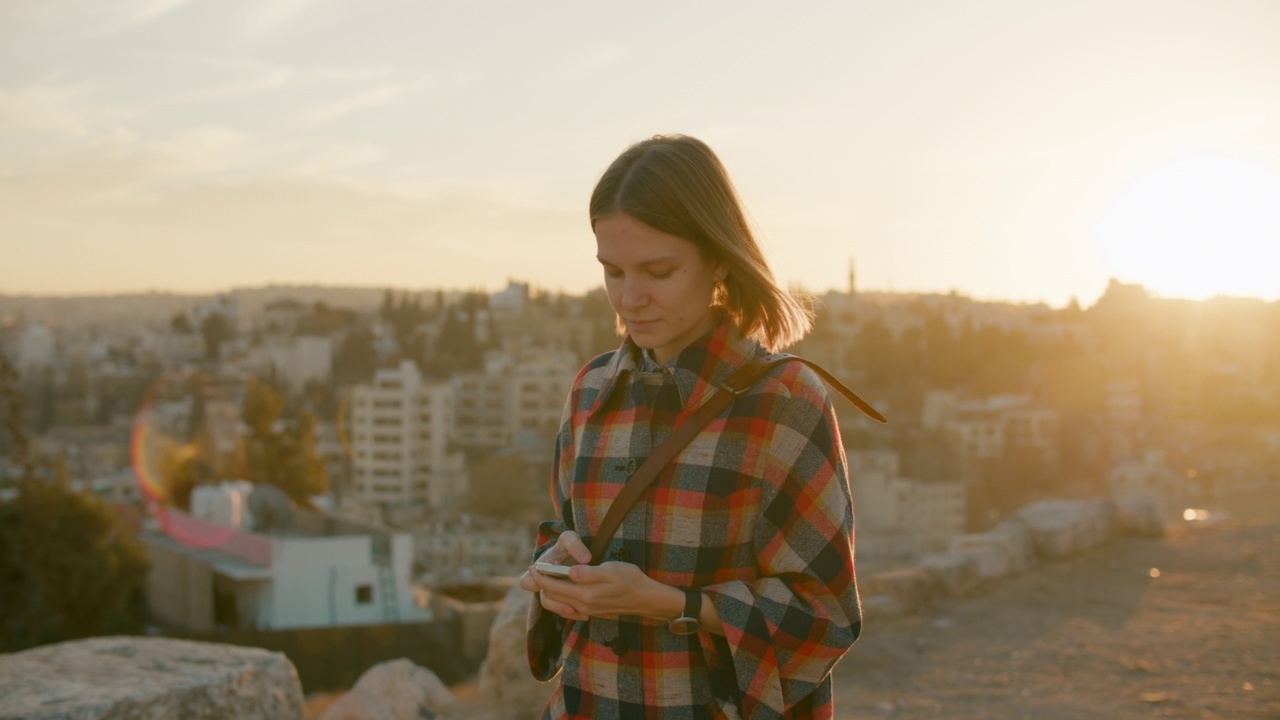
(901, 517)
(512, 395)
(511, 300)
(172, 349)
(323, 571)
(980, 430)
(401, 432)
(224, 304)
(299, 359)
(282, 316)
(35, 347)
(468, 550)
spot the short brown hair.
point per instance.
(675, 184)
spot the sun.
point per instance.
(1199, 227)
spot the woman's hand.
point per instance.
(607, 591)
(568, 550)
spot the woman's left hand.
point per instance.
(606, 591)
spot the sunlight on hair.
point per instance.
(1199, 227)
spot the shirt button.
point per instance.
(620, 554)
(618, 645)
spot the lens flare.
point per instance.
(151, 446)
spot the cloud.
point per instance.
(138, 12)
(375, 97)
(332, 158)
(44, 108)
(261, 17)
(205, 149)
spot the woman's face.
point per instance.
(659, 284)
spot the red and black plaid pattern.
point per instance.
(756, 512)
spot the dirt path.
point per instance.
(1098, 636)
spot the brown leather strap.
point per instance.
(737, 384)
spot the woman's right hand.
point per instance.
(568, 550)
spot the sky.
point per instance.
(1002, 149)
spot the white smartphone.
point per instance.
(555, 571)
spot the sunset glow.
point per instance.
(1199, 227)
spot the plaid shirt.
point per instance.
(755, 512)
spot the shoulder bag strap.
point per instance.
(737, 384)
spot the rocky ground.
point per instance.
(1186, 626)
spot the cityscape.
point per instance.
(329, 461)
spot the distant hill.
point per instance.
(105, 310)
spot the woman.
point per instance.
(729, 587)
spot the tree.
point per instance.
(356, 359)
(216, 330)
(69, 568)
(278, 452)
(180, 324)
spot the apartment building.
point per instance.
(298, 359)
(982, 430)
(512, 394)
(402, 433)
(900, 517)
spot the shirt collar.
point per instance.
(697, 370)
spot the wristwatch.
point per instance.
(688, 622)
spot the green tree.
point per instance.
(216, 330)
(356, 360)
(69, 568)
(279, 452)
(180, 324)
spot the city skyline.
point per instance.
(1006, 152)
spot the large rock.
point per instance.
(988, 553)
(505, 682)
(1061, 528)
(394, 690)
(1140, 514)
(147, 679)
(955, 574)
(1005, 549)
(912, 587)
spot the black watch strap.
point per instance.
(688, 623)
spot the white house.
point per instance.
(319, 571)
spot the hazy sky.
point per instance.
(1006, 149)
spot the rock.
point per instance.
(875, 607)
(1061, 528)
(990, 554)
(912, 587)
(505, 683)
(149, 679)
(1140, 515)
(1005, 549)
(394, 690)
(1019, 543)
(956, 574)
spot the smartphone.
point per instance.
(555, 571)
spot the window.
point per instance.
(364, 594)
